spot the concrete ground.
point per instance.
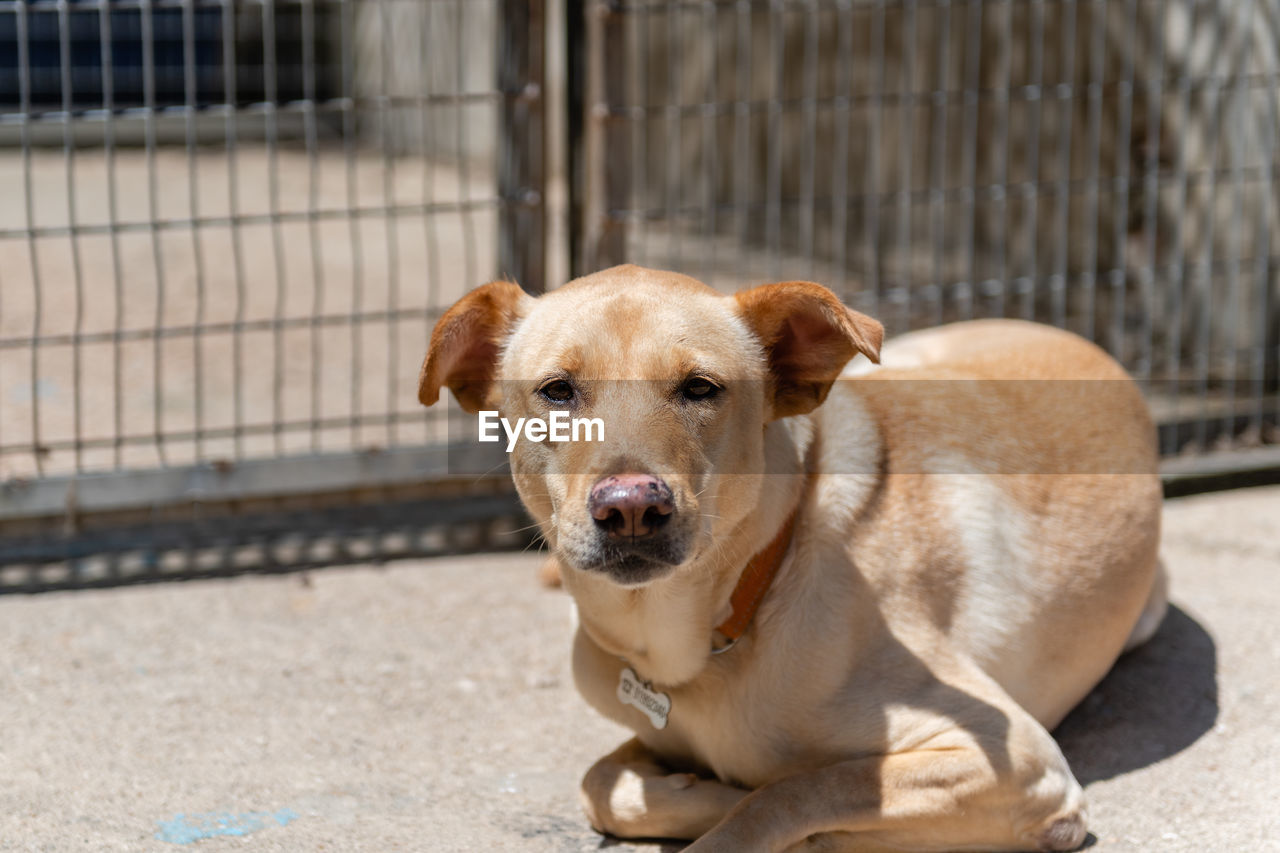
(429, 706)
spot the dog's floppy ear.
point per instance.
(463, 354)
(809, 335)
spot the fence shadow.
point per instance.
(1155, 702)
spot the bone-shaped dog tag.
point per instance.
(654, 705)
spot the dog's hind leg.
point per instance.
(1152, 612)
(630, 794)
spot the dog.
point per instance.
(839, 612)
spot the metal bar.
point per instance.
(674, 146)
(638, 84)
(710, 155)
(606, 154)
(1030, 189)
(742, 136)
(428, 197)
(1234, 117)
(522, 166)
(461, 139)
(431, 240)
(265, 428)
(1094, 141)
(1093, 94)
(969, 155)
(809, 115)
(231, 327)
(1064, 91)
(840, 164)
(190, 97)
(233, 208)
(1268, 313)
(270, 74)
(117, 271)
(48, 5)
(996, 285)
(28, 197)
(1203, 279)
(938, 168)
(578, 101)
(906, 153)
(409, 524)
(1173, 318)
(1190, 475)
(69, 157)
(1151, 201)
(385, 120)
(1120, 200)
(254, 478)
(347, 50)
(334, 105)
(918, 98)
(294, 216)
(773, 144)
(871, 202)
(153, 212)
(313, 228)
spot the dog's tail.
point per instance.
(1152, 612)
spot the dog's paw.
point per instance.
(1064, 833)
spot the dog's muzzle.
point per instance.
(636, 538)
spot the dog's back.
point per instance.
(1022, 460)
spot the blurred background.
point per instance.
(228, 226)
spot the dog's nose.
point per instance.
(630, 506)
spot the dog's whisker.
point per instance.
(523, 529)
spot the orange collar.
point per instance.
(754, 584)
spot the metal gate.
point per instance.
(227, 226)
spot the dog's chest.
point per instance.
(736, 732)
(726, 723)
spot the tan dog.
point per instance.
(926, 571)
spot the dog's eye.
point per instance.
(697, 388)
(557, 391)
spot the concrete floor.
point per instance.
(429, 706)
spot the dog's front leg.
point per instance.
(934, 799)
(630, 794)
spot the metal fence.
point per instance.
(1103, 165)
(227, 226)
(226, 229)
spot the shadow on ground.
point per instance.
(658, 845)
(1155, 702)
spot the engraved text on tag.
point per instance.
(654, 705)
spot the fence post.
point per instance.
(522, 167)
(606, 148)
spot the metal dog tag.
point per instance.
(654, 705)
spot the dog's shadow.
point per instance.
(1155, 702)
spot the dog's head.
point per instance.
(683, 380)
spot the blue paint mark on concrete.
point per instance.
(186, 828)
